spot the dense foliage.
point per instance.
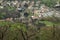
(18, 31)
(49, 3)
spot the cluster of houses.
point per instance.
(36, 8)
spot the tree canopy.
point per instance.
(49, 3)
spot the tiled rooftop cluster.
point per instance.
(36, 8)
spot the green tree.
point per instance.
(49, 3)
(2, 15)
